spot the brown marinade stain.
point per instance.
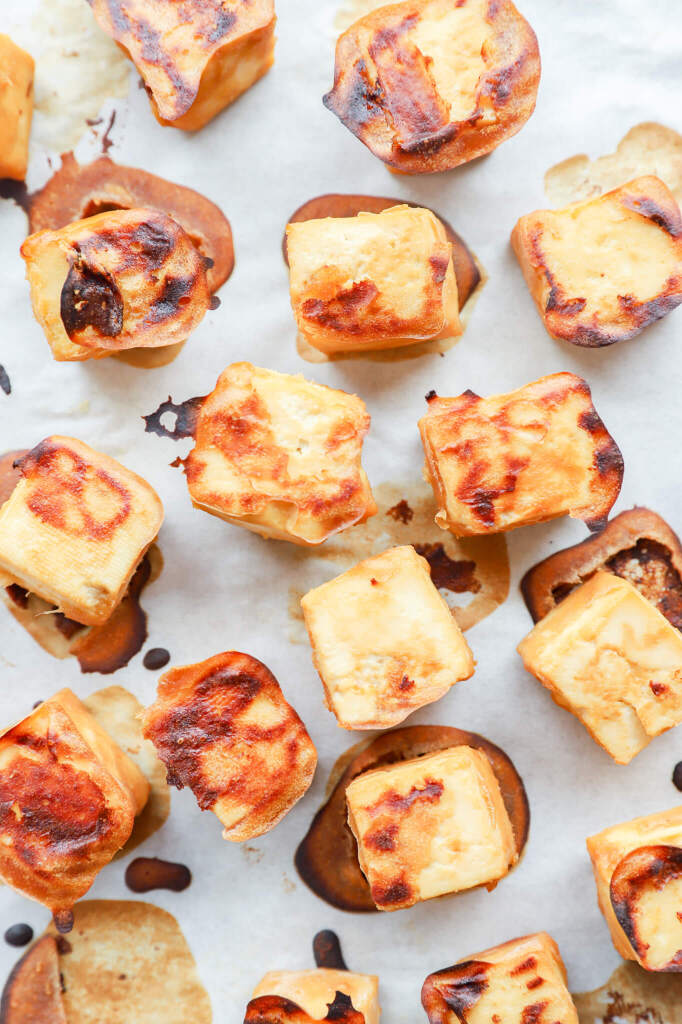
(633, 996)
(147, 873)
(401, 512)
(459, 576)
(327, 951)
(186, 414)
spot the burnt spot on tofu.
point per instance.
(343, 311)
(639, 871)
(278, 1010)
(456, 989)
(90, 299)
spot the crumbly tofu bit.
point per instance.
(638, 870)
(601, 271)
(609, 656)
(314, 990)
(384, 641)
(373, 281)
(524, 457)
(16, 108)
(75, 528)
(68, 799)
(280, 455)
(430, 826)
(223, 728)
(519, 981)
(203, 57)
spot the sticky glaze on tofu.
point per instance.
(384, 640)
(195, 58)
(121, 279)
(16, 108)
(519, 982)
(280, 455)
(373, 281)
(430, 826)
(524, 457)
(638, 870)
(313, 991)
(68, 799)
(601, 271)
(75, 528)
(223, 728)
(431, 84)
(609, 656)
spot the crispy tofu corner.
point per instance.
(16, 108)
(314, 991)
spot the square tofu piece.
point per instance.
(430, 826)
(612, 659)
(68, 799)
(384, 641)
(16, 108)
(223, 728)
(525, 457)
(75, 528)
(280, 456)
(373, 281)
(314, 991)
(638, 870)
(601, 271)
(518, 982)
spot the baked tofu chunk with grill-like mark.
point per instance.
(522, 981)
(638, 870)
(601, 271)
(16, 108)
(384, 641)
(524, 457)
(194, 57)
(430, 826)
(280, 455)
(75, 528)
(373, 281)
(121, 279)
(430, 84)
(314, 991)
(223, 728)
(608, 656)
(68, 799)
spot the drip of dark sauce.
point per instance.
(17, 192)
(19, 935)
(5, 382)
(146, 873)
(185, 413)
(214, 303)
(430, 395)
(63, 945)
(402, 513)
(63, 920)
(155, 658)
(107, 141)
(327, 951)
(677, 775)
(458, 576)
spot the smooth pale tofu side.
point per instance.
(16, 108)
(373, 281)
(314, 990)
(75, 528)
(430, 826)
(384, 641)
(611, 658)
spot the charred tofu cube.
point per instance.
(314, 991)
(223, 728)
(75, 528)
(613, 660)
(373, 281)
(280, 455)
(16, 108)
(525, 457)
(384, 640)
(430, 826)
(638, 870)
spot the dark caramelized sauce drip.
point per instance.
(19, 935)
(677, 775)
(156, 658)
(447, 574)
(5, 382)
(146, 873)
(327, 951)
(185, 413)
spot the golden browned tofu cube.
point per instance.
(196, 57)
(430, 826)
(518, 982)
(68, 799)
(16, 108)
(223, 728)
(613, 660)
(118, 280)
(638, 870)
(280, 455)
(314, 991)
(384, 640)
(531, 455)
(75, 528)
(373, 281)
(601, 271)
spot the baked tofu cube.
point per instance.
(68, 799)
(280, 455)
(16, 108)
(118, 280)
(314, 991)
(430, 826)
(638, 870)
(613, 660)
(384, 640)
(373, 281)
(223, 728)
(194, 58)
(524, 457)
(601, 271)
(520, 981)
(75, 528)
